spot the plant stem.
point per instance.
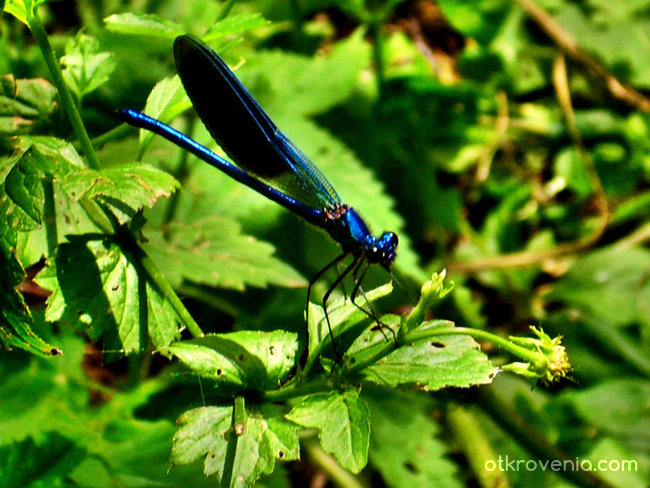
(469, 432)
(418, 335)
(159, 280)
(328, 464)
(378, 57)
(238, 418)
(225, 10)
(294, 391)
(38, 31)
(49, 216)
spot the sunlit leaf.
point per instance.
(101, 290)
(205, 433)
(143, 25)
(251, 360)
(85, 67)
(343, 423)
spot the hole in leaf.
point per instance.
(411, 467)
(271, 350)
(219, 372)
(281, 455)
(438, 344)
(242, 357)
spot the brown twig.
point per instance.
(567, 44)
(529, 258)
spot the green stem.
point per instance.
(294, 391)
(468, 431)
(378, 57)
(239, 417)
(238, 414)
(117, 132)
(99, 215)
(180, 174)
(49, 216)
(536, 359)
(339, 476)
(534, 441)
(208, 297)
(67, 101)
(159, 280)
(225, 10)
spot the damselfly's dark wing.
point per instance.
(242, 128)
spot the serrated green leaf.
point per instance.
(405, 420)
(434, 364)
(36, 159)
(23, 10)
(251, 360)
(125, 188)
(235, 24)
(24, 182)
(85, 68)
(343, 422)
(99, 289)
(165, 102)
(23, 185)
(143, 25)
(343, 315)
(46, 463)
(25, 105)
(15, 318)
(213, 251)
(205, 433)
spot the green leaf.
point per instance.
(25, 105)
(99, 289)
(343, 422)
(126, 188)
(251, 360)
(206, 432)
(569, 167)
(617, 407)
(608, 283)
(405, 420)
(23, 184)
(15, 318)
(235, 24)
(48, 463)
(343, 315)
(143, 25)
(23, 10)
(213, 251)
(434, 364)
(165, 102)
(85, 68)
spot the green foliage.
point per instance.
(343, 424)
(149, 309)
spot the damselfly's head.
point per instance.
(383, 249)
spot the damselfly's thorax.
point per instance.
(346, 226)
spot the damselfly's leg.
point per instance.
(358, 279)
(326, 297)
(334, 262)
